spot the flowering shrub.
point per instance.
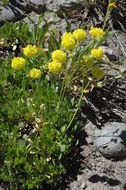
(38, 116)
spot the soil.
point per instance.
(90, 170)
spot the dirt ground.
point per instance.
(92, 171)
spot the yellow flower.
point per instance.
(35, 73)
(68, 41)
(112, 5)
(89, 61)
(97, 53)
(59, 56)
(96, 32)
(30, 51)
(55, 67)
(18, 63)
(98, 73)
(79, 35)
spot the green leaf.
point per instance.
(62, 147)
(30, 185)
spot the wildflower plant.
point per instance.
(38, 116)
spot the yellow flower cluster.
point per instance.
(89, 61)
(68, 41)
(98, 73)
(96, 32)
(55, 67)
(79, 35)
(112, 5)
(97, 53)
(35, 73)
(30, 51)
(18, 63)
(59, 56)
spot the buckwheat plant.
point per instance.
(42, 85)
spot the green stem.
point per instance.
(37, 87)
(78, 106)
(107, 17)
(68, 74)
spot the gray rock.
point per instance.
(16, 9)
(37, 5)
(57, 5)
(65, 2)
(110, 53)
(111, 140)
(37, 2)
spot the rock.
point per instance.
(83, 186)
(110, 53)
(16, 9)
(37, 5)
(111, 140)
(65, 2)
(58, 5)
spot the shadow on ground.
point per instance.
(107, 104)
(103, 179)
